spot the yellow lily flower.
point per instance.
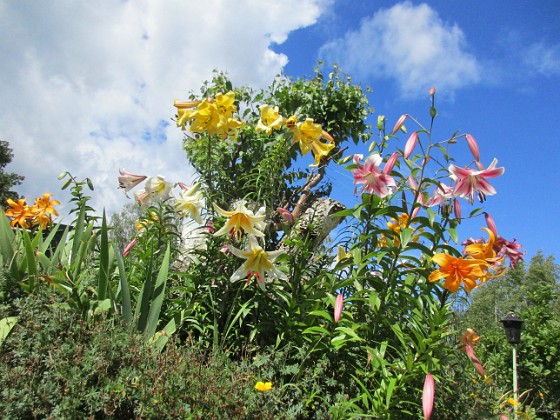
(227, 127)
(259, 263)
(205, 118)
(308, 135)
(270, 119)
(184, 111)
(242, 220)
(225, 104)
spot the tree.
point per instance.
(533, 292)
(7, 179)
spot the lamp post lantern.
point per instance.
(512, 326)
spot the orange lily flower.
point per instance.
(19, 212)
(458, 270)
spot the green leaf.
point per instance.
(103, 277)
(126, 305)
(6, 326)
(158, 294)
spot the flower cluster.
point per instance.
(240, 221)
(188, 202)
(215, 117)
(259, 263)
(212, 116)
(39, 214)
(474, 269)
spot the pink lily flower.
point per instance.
(128, 181)
(370, 174)
(428, 395)
(509, 249)
(338, 307)
(470, 181)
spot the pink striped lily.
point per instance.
(370, 174)
(469, 181)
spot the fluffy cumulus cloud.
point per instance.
(409, 44)
(88, 87)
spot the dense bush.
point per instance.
(53, 365)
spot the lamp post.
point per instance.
(512, 326)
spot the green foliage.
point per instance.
(8, 180)
(54, 365)
(167, 308)
(533, 293)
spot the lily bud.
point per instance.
(399, 123)
(457, 209)
(474, 360)
(410, 144)
(473, 145)
(390, 163)
(428, 395)
(491, 225)
(432, 91)
(130, 245)
(286, 215)
(338, 307)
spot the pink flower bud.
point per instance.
(473, 145)
(130, 245)
(338, 307)
(432, 91)
(428, 395)
(474, 360)
(491, 225)
(399, 123)
(286, 215)
(457, 209)
(390, 163)
(412, 183)
(410, 144)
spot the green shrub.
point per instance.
(53, 365)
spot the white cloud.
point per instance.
(409, 44)
(542, 58)
(88, 87)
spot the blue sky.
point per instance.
(89, 88)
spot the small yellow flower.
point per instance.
(512, 402)
(263, 386)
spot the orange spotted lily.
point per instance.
(43, 210)
(20, 213)
(458, 270)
